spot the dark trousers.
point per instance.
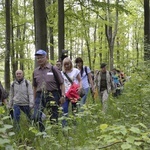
(50, 101)
(17, 113)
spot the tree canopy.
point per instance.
(102, 31)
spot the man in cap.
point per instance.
(47, 80)
(104, 84)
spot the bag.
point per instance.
(72, 93)
(81, 92)
(58, 84)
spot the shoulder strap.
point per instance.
(110, 73)
(87, 73)
(98, 73)
(26, 83)
(13, 84)
(68, 77)
(86, 70)
(54, 72)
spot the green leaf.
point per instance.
(34, 130)
(7, 126)
(2, 110)
(138, 143)
(135, 130)
(142, 125)
(11, 133)
(123, 130)
(2, 130)
(6, 117)
(103, 126)
(41, 133)
(125, 146)
(4, 141)
(130, 139)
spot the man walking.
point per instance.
(21, 97)
(103, 82)
(47, 80)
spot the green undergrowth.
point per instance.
(125, 124)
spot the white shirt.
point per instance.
(73, 76)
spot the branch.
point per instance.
(111, 144)
(106, 146)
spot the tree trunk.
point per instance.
(51, 31)
(111, 33)
(86, 33)
(40, 25)
(61, 31)
(7, 52)
(146, 30)
(118, 53)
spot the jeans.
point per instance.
(50, 101)
(65, 107)
(17, 113)
(83, 100)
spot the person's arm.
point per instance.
(62, 97)
(34, 92)
(95, 81)
(4, 97)
(34, 84)
(11, 95)
(30, 95)
(62, 87)
(91, 81)
(79, 81)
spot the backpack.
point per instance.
(58, 85)
(25, 82)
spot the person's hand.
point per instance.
(11, 112)
(114, 91)
(92, 89)
(31, 106)
(62, 99)
(79, 90)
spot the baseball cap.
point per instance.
(103, 65)
(40, 52)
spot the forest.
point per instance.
(116, 32)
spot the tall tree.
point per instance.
(40, 25)
(7, 52)
(52, 14)
(111, 32)
(146, 30)
(61, 26)
(86, 30)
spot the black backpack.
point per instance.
(55, 76)
(25, 82)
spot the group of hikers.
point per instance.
(58, 85)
